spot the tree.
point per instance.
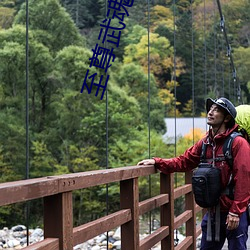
(161, 62)
(160, 54)
(242, 64)
(53, 25)
(84, 13)
(6, 17)
(132, 78)
(161, 16)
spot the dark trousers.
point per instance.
(237, 238)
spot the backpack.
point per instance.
(206, 179)
(206, 185)
(243, 120)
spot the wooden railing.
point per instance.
(59, 232)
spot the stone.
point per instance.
(117, 234)
(13, 243)
(95, 248)
(18, 228)
(117, 245)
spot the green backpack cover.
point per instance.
(243, 119)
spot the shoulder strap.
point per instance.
(203, 152)
(227, 148)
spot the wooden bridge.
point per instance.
(56, 192)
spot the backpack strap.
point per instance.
(227, 148)
(227, 151)
(203, 152)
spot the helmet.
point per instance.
(223, 103)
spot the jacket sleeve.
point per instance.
(183, 163)
(241, 175)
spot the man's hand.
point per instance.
(232, 221)
(146, 162)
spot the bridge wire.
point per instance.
(222, 68)
(107, 140)
(215, 52)
(192, 76)
(174, 79)
(27, 206)
(205, 49)
(149, 120)
(175, 94)
(229, 55)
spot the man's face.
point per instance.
(215, 116)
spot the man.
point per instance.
(221, 115)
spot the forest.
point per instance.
(172, 55)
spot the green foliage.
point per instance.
(242, 63)
(53, 25)
(132, 78)
(160, 53)
(84, 13)
(42, 162)
(6, 17)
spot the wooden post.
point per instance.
(129, 198)
(58, 219)
(190, 205)
(167, 210)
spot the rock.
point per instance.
(81, 246)
(100, 238)
(111, 233)
(95, 248)
(3, 233)
(91, 242)
(103, 243)
(13, 243)
(38, 232)
(111, 240)
(16, 238)
(18, 228)
(117, 244)
(117, 234)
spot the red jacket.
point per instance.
(241, 167)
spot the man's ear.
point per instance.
(228, 118)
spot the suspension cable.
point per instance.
(205, 50)
(229, 53)
(175, 95)
(192, 76)
(174, 75)
(107, 139)
(215, 52)
(149, 120)
(27, 207)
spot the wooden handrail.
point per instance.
(56, 191)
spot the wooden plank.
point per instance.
(185, 244)
(129, 195)
(152, 203)
(99, 177)
(24, 190)
(182, 218)
(90, 230)
(46, 244)
(178, 192)
(167, 210)
(198, 231)
(58, 219)
(154, 238)
(198, 209)
(190, 205)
